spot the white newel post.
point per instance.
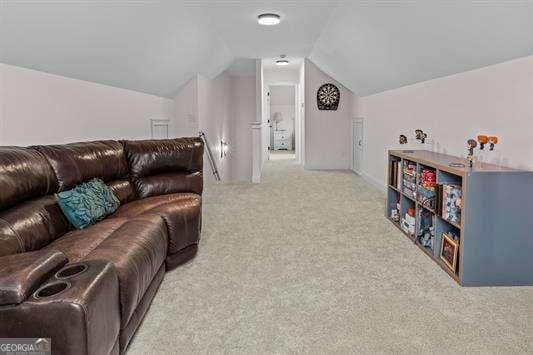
(257, 152)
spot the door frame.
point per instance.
(297, 129)
(355, 121)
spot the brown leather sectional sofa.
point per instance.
(89, 289)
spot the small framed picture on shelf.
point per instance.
(448, 251)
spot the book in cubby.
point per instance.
(395, 172)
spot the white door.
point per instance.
(358, 144)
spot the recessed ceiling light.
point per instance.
(268, 19)
(282, 62)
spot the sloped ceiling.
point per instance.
(157, 46)
(372, 46)
(151, 46)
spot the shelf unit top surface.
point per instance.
(443, 161)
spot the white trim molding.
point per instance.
(257, 156)
(159, 125)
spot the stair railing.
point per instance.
(210, 156)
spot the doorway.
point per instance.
(282, 122)
(358, 144)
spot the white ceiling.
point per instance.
(156, 46)
(151, 46)
(242, 67)
(294, 63)
(375, 46)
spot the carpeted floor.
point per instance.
(306, 262)
(281, 155)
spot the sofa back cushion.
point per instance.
(165, 166)
(24, 174)
(75, 163)
(30, 217)
(123, 190)
(31, 225)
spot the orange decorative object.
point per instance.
(492, 141)
(482, 139)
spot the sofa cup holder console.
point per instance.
(71, 270)
(51, 289)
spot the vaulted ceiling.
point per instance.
(375, 46)
(156, 46)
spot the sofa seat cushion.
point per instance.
(79, 243)
(181, 212)
(136, 247)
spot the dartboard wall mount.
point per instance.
(328, 97)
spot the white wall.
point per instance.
(265, 115)
(226, 107)
(41, 108)
(214, 117)
(327, 133)
(280, 76)
(186, 110)
(494, 100)
(300, 123)
(243, 114)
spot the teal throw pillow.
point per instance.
(87, 203)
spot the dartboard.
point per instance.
(328, 97)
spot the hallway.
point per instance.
(306, 262)
(281, 155)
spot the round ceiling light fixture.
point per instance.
(282, 62)
(268, 19)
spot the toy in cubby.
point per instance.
(426, 234)
(452, 201)
(427, 237)
(409, 221)
(426, 190)
(409, 178)
(395, 211)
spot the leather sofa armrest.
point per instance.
(78, 308)
(21, 274)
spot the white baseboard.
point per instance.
(374, 182)
(331, 167)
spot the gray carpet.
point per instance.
(306, 262)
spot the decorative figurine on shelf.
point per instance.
(482, 139)
(471, 145)
(420, 136)
(403, 139)
(493, 140)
